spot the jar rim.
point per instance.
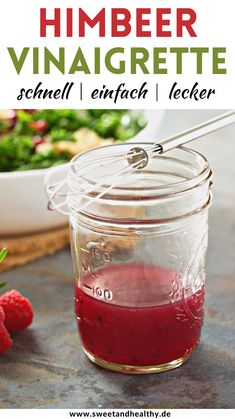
(158, 190)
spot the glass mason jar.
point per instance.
(139, 257)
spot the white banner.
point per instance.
(107, 54)
(117, 413)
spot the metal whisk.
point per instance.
(137, 158)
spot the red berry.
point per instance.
(2, 315)
(18, 311)
(5, 339)
(38, 126)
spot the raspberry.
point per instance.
(5, 340)
(2, 315)
(18, 311)
(38, 126)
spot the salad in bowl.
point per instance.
(33, 141)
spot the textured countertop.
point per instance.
(46, 367)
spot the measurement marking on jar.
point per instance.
(97, 251)
(98, 255)
(103, 294)
(87, 286)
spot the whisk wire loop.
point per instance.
(137, 158)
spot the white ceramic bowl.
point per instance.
(23, 201)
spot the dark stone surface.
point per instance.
(46, 367)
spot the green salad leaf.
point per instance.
(15, 151)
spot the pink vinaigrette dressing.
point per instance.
(138, 315)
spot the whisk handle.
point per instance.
(196, 132)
